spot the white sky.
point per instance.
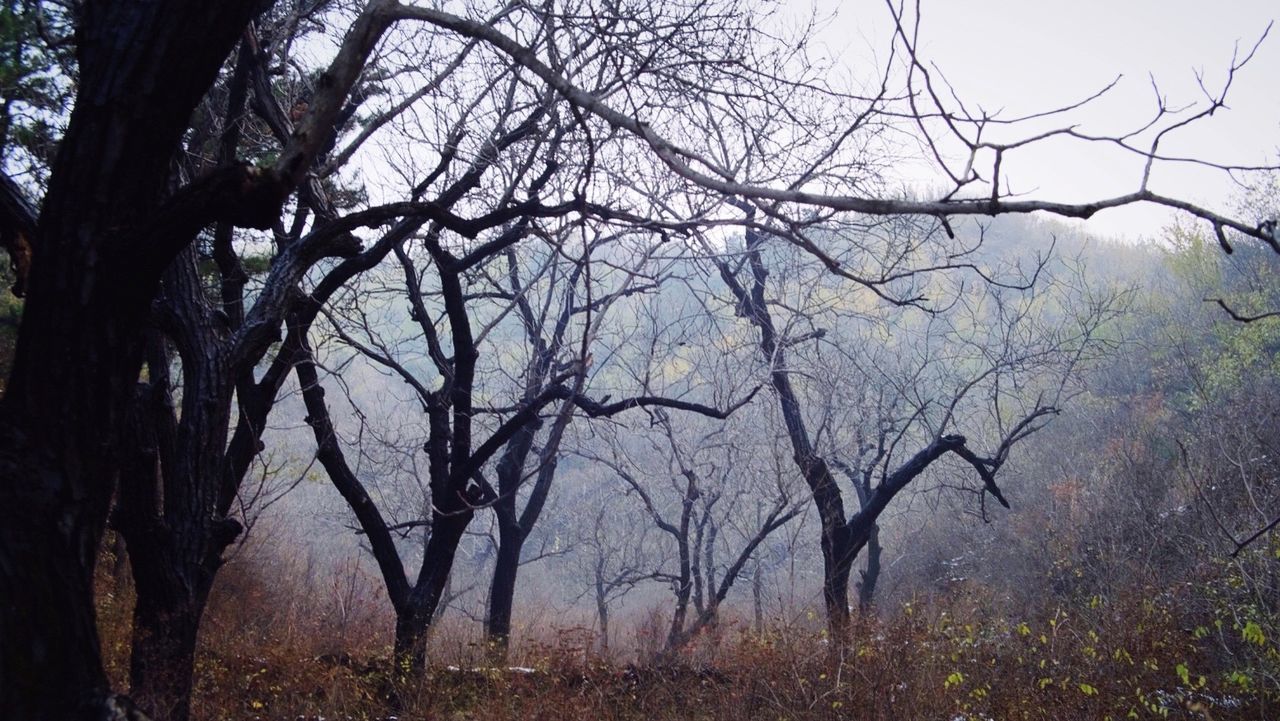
(1031, 55)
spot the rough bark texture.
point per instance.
(144, 65)
(170, 513)
(178, 544)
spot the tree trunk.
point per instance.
(838, 556)
(502, 590)
(171, 597)
(414, 615)
(50, 664)
(838, 548)
(602, 611)
(871, 575)
(410, 654)
(684, 584)
(757, 600)
(163, 652)
(168, 510)
(143, 67)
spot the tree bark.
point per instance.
(414, 617)
(163, 651)
(503, 588)
(871, 575)
(757, 600)
(169, 509)
(143, 67)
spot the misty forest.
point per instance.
(619, 359)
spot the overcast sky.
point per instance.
(1031, 55)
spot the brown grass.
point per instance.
(269, 652)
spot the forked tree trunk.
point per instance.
(416, 612)
(168, 513)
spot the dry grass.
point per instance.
(269, 652)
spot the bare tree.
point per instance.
(552, 351)
(714, 506)
(112, 221)
(706, 487)
(458, 485)
(614, 554)
(932, 388)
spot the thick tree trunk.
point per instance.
(839, 547)
(838, 555)
(50, 664)
(163, 653)
(502, 590)
(513, 528)
(143, 67)
(171, 597)
(168, 506)
(410, 649)
(415, 614)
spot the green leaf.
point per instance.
(1252, 633)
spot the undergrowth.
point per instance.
(269, 653)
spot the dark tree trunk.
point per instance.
(502, 590)
(414, 616)
(511, 536)
(838, 556)
(870, 575)
(50, 665)
(849, 541)
(143, 67)
(169, 510)
(842, 540)
(839, 549)
(163, 651)
(172, 592)
(513, 529)
(684, 583)
(415, 605)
